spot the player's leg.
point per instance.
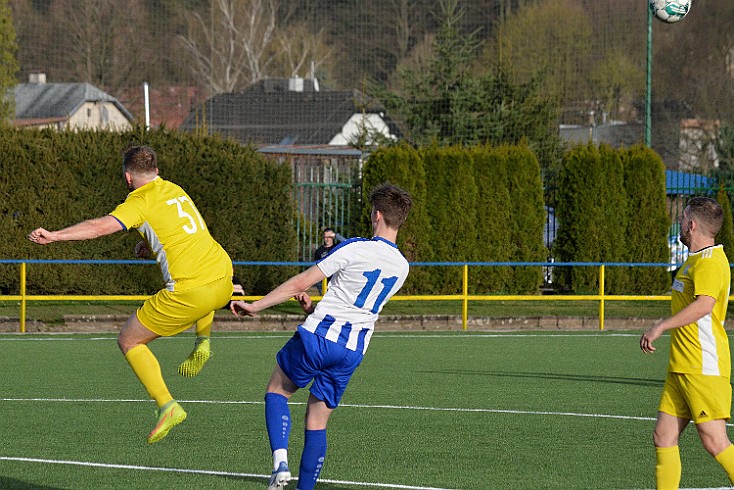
(314, 443)
(716, 441)
(202, 348)
(336, 366)
(710, 400)
(216, 294)
(278, 424)
(133, 340)
(667, 454)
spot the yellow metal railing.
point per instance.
(464, 297)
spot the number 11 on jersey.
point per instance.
(387, 284)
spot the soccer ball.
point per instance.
(670, 11)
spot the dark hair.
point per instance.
(139, 159)
(707, 211)
(393, 202)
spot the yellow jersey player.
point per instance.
(697, 386)
(196, 270)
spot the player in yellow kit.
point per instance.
(697, 386)
(196, 270)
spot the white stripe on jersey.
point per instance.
(709, 352)
(158, 252)
(364, 275)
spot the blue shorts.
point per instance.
(308, 357)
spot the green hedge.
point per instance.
(611, 208)
(55, 179)
(471, 204)
(402, 165)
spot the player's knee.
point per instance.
(663, 439)
(122, 344)
(714, 445)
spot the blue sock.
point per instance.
(277, 420)
(312, 459)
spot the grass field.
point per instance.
(441, 411)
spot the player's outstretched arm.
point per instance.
(85, 230)
(296, 284)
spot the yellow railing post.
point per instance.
(22, 297)
(601, 294)
(465, 293)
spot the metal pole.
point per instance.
(601, 294)
(648, 91)
(22, 297)
(465, 294)
(146, 96)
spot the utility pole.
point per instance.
(648, 91)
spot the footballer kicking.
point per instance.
(196, 270)
(330, 344)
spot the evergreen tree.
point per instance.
(647, 229)
(580, 218)
(452, 209)
(8, 62)
(493, 213)
(527, 217)
(614, 213)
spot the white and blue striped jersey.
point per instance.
(364, 275)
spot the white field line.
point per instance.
(351, 405)
(345, 405)
(232, 474)
(203, 472)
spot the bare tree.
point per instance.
(100, 40)
(301, 52)
(232, 48)
(241, 43)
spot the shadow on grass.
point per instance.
(21, 485)
(565, 377)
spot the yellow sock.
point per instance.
(148, 371)
(668, 468)
(726, 459)
(204, 326)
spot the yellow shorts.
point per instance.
(169, 313)
(696, 397)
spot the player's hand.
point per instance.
(650, 335)
(239, 308)
(304, 299)
(41, 236)
(142, 250)
(238, 290)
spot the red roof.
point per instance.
(169, 106)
